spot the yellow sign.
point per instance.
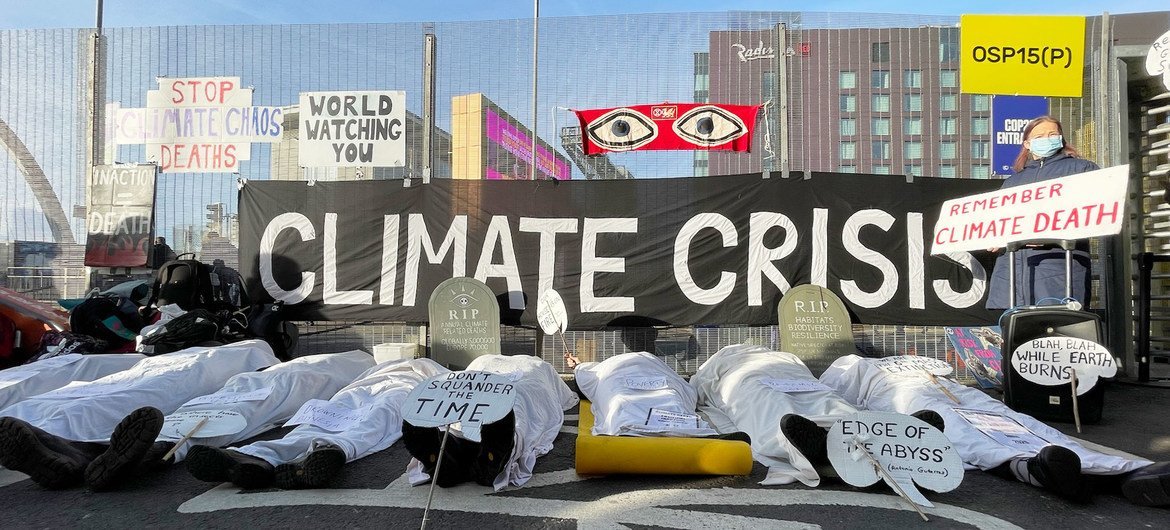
(1022, 55)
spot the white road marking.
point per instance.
(644, 507)
(7, 476)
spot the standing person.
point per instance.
(1040, 269)
(161, 253)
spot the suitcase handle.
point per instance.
(1066, 244)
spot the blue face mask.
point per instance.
(1046, 147)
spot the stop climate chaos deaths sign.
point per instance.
(623, 252)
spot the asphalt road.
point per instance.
(373, 493)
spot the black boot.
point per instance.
(1148, 486)
(810, 439)
(1058, 469)
(131, 440)
(212, 464)
(316, 469)
(153, 460)
(495, 450)
(423, 443)
(49, 460)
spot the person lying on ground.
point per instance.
(1039, 455)
(35, 378)
(312, 456)
(741, 388)
(84, 430)
(508, 448)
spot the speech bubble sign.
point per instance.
(908, 449)
(551, 313)
(1158, 59)
(913, 365)
(470, 398)
(1051, 361)
(219, 423)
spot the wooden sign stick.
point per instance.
(941, 387)
(194, 430)
(897, 489)
(1076, 409)
(435, 477)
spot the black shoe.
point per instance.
(808, 438)
(737, 436)
(47, 459)
(423, 443)
(1058, 469)
(314, 470)
(932, 418)
(495, 450)
(131, 440)
(153, 459)
(212, 464)
(1148, 486)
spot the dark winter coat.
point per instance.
(1040, 271)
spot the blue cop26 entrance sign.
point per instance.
(1009, 115)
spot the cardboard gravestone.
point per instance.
(469, 398)
(908, 450)
(465, 322)
(815, 326)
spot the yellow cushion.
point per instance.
(600, 455)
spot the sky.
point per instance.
(18, 14)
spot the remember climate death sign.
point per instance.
(624, 252)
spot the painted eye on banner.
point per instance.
(709, 126)
(621, 130)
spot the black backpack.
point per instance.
(187, 283)
(112, 319)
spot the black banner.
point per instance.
(717, 250)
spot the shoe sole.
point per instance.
(1061, 474)
(131, 440)
(209, 464)
(1147, 491)
(20, 450)
(497, 442)
(318, 470)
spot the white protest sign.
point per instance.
(224, 397)
(328, 415)
(908, 449)
(1007, 431)
(352, 129)
(469, 397)
(913, 365)
(219, 423)
(551, 313)
(1158, 59)
(644, 382)
(668, 420)
(794, 386)
(1073, 207)
(1052, 360)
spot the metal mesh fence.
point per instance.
(867, 93)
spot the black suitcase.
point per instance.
(1022, 324)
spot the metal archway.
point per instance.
(41, 188)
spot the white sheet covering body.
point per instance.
(378, 392)
(89, 411)
(632, 392)
(21, 382)
(539, 410)
(866, 385)
(541, 401)
(739, 383)
(290, 383)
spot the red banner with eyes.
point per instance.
(668, 126)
